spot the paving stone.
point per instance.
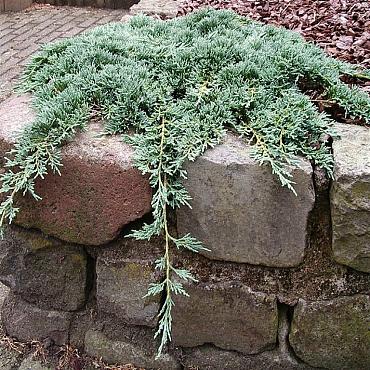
(241, 212)
(333, 334)
(229, 316)
(350, 197)
(123, 274)
(98, 183)
(26, 322)
(42, 270)
(41, 25)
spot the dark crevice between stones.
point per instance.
(319, 222)
(284, 348)
(285, 318)
(95, 250)
(90, 290)
(135, 225)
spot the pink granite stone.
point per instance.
(98, 193)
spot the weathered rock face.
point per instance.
(333, 334)
(27, 322)
(241, 212)
(123, 274)
(42, 270)
(228, 316)
(4, 291)
(212, 358)
(161, 8)
(83, 321)
(29, 363)
(350, 197)
(124, 352)
(9, 358)
(98, 193)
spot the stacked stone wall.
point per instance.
(285, 286)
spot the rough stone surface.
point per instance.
(161, 8)
(82, 322)
(350, 197)
(333, 334)
(27, 322)
(8, 358)
(241, 212)
(212, 358)
(4, 291)
(29, 363)
(230, 317)
(98, 193)
(124, 352)
(44, 271)
(123, 273)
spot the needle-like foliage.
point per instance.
(177, 86)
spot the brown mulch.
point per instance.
(341, 27)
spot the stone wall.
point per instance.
(286, 285)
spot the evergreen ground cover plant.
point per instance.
(173, 89)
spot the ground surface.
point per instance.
(22, 33)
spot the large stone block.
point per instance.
(350, 197)
(98, 193)
(333, 334)
(42, 270)
(240, 210)
(229, 316)
(212, 358)
(27, 322)
(124, 272)
(124, 351)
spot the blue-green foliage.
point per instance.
(178, 86)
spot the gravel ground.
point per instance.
(341, 27)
